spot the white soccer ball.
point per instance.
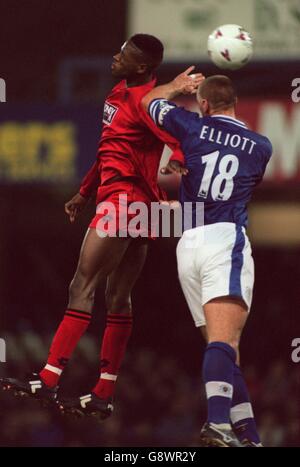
(230, 46)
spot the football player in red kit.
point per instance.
(127, 162)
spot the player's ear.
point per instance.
(205, 106)
(142, 68)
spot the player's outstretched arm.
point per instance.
(185, 83)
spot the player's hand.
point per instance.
(174, 167)
(74, 206)
(172, 203)
(187, 83)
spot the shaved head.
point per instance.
(219, 92)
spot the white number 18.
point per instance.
(228, 168)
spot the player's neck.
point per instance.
(227, 113)
(139, 80)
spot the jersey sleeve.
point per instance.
(173, 119)
(262, 158)
(268, 150)
(266, 154)
(161, 134)
(91, 181)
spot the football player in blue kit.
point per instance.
(223, 162)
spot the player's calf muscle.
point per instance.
(225, 321)
(81, 294)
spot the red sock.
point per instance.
(64, 342)
(114, 343)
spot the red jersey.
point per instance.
(131, 145)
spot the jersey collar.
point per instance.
(228, 119)
(150, 84)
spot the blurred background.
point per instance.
(55, 58)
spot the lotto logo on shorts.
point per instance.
(2, 90)
(109, 113)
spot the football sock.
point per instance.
(73, 325)
(114, 343)
(241, 412)
(218, 365)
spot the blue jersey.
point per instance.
(224, 158)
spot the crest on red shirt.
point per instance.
(109, 113)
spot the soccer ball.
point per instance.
(230, 46)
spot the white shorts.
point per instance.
(215, 261)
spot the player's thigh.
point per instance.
(121, 280)
(190, 280)
(225, 319)
(227, 268)
(100, 255)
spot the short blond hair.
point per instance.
(219, 91)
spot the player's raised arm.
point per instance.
(185, 83)
(165, 113)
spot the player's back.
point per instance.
(226, 161)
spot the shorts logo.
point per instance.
(109, 113)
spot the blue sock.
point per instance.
(218, 365)
(241, 413)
